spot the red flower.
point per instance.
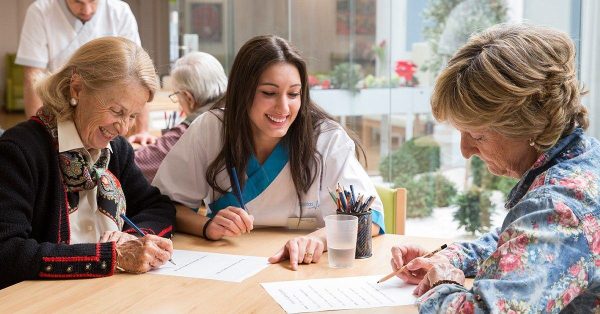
(312, 80)
(406, 69)
(550, 305)
(571, 293)
(325, 84)
(574, 270)
(509, 262)
(566, 216)
(596, 243)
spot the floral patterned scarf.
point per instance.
(78, 174)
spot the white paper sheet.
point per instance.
(315, 295)
(226, 267)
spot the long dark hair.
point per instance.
(255, 56)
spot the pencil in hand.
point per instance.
(403, 268)
(140, 232)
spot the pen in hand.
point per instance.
(138, 230)
(392, 274)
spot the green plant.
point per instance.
(418, 155)
(486, 180)
(449, 23)
(346, 76)
(444, 190)
(420, 199)
(371, 81)
(426, 192)
(474, 210)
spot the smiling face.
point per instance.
(101, 118)
(275, 105)
(502, 155)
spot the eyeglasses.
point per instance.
(173, 97)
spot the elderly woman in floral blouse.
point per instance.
(513, 94)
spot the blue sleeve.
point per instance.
(466, 256)
(542, 263)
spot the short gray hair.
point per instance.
(202, 75)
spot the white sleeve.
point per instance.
(33, 44)
(129, 27)
(341, 165)
(182, 174)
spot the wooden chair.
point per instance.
(394, 208)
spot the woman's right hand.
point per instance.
(143, 254)
(416, 266)
(230, 222)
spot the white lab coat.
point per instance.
(182, 176)
(51, 34)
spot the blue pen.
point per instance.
(353, 196)
(138, 230)
(237, 189)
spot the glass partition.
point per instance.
(372, 65)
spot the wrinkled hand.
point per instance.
(143, 254)
(439, 272)
(416, 266)
(143, 139)
(117, 236)
(303, 250)
(230, 222)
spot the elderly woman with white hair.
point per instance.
(198, 80)
(67, 175)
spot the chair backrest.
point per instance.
(394, 208)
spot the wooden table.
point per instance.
(168, 294)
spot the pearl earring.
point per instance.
(73, 102)
(531, 143)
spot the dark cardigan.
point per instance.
(34, 222)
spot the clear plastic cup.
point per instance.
(341, 240)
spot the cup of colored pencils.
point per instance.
(349, 203)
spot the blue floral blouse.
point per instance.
(546, 256)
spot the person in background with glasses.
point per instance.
(287, 150)
(198, 80)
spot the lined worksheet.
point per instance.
(315, 295)
(225, 267)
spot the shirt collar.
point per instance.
(68, 137)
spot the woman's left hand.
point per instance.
(439, 272)
(301, 250)
(116, 236)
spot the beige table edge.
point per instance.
(160, 294)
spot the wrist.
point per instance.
(205, 229)
(445, 281)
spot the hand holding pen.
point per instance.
(410, 263)
(143, 254)
(230, 221)
(139, 231)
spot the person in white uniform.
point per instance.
(286, 149)
(54, 29)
